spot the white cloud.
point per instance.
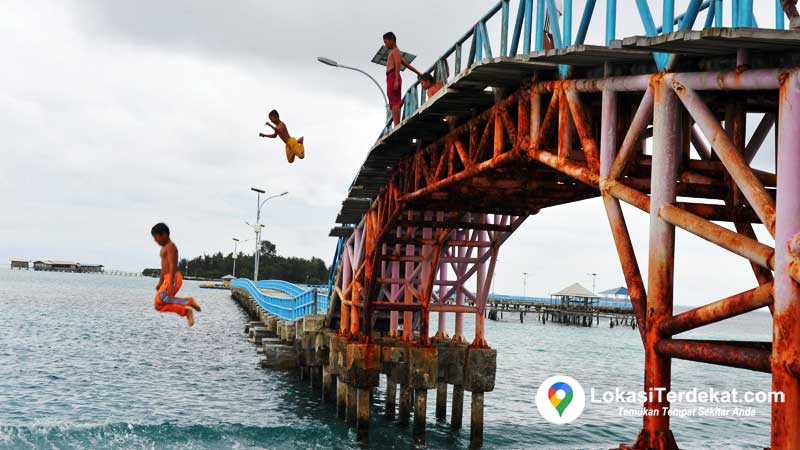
(115, 115)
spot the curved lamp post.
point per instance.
(332, 63)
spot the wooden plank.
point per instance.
(715, 41)
(591, 55)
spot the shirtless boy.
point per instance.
(429, 84)
(294, 147)
(171, 280)
(394, 83)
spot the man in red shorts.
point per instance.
(394, 83)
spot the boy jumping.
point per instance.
(294, 147)
(171, 280)
(394, 83)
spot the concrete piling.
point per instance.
(457, 410)
(341, 399)
(352, 405)
(420, 410)
(479, 377)
(328, 381)
(476, 421)
(391, 397)
(441, 401)
(362, 427)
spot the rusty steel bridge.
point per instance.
(657, 121)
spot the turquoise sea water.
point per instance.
(85, 362)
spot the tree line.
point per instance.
(270, 266)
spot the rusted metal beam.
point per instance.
(392, 306)
(453, 224)
(616, 219)
(584, 128)
(734, 305)
(786, 326)
(744, 356)
(759, 253)
(667, 135)
(641, 119)
(758, 197)
(576, 171)
(759, 136)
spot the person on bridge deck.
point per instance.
(171, 280)
(549, 43)
(431, 87)
(294, 147)
(394, 82)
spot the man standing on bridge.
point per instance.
(394, 83)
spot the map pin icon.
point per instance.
(560, 395)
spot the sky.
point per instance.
(115, 115)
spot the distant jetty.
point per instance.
(56, 266)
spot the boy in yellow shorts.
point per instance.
(294, 147)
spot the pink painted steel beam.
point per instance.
(786, 328)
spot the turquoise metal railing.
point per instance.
(527, 33)
(297, 302)
(337, 257)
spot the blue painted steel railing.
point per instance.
(297, 302)
(337, 257)
(526, 34)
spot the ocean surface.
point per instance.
(85, 362)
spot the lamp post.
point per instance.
(235, 244)
(594, 279)
(524, 284)
(332, 63)
(257, 227)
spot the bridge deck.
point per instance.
(468, 94)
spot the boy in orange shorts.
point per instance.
(294, 147)
(171, 280)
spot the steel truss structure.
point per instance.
(430, 240)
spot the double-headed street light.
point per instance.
(257, 227)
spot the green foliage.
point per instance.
(271, 266)
(151, 273)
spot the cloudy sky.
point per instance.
(117, 114)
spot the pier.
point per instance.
(657, 121)
(573, 305)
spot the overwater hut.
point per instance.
(18, 263)
(575, 296)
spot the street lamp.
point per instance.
(332, 63)
(524, 284)
(594, 279)
(257, 227)
(235, 244)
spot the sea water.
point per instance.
(85, 362)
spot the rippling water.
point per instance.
(85, 362)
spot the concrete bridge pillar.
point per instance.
(362, 371)
(479, 376)
(423, 375)
(336, 364)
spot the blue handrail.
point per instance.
(298, 302)
(525, 30)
